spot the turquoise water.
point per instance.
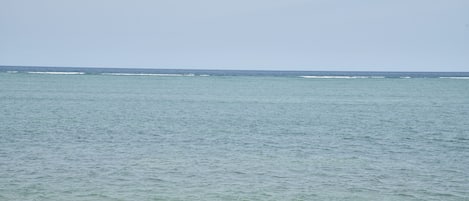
(107, 137)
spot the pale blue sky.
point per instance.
(378, 35)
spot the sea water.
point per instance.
(101, 134)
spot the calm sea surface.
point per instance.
(116, 135)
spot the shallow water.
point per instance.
(105, 137)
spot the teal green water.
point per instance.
(98, 137)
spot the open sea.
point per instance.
(141, 134)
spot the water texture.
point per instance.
(82, 136)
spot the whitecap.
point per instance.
(149, 74)
(59, 73)
(334, 77)
(459, 78)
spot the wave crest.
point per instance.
(339, 77)
(458, 78)
(149, 74)
(58, 73)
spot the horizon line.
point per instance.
(215, 69)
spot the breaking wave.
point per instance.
(149, 74)
(459, 78)
(58, 73)
(339, 77)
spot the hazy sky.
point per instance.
(410, 35)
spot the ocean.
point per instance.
(147, 134)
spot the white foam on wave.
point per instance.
(339, 77)
(149, 74)
(59, 73)
(405, 77)
(459, 78)
(204, 75)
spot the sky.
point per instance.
(335, 35)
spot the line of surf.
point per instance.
(58, 73)
(149, 74)
(458, 78)
(339, 77)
